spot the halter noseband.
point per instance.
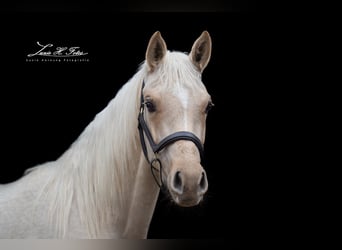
(157, 147)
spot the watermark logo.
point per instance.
(51, 53)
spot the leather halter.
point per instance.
(157, 147)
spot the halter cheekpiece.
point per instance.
(157, 147)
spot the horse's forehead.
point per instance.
(184, 93)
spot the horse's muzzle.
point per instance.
(187, 186)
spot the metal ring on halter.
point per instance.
(159, 170)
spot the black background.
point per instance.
(46, 105)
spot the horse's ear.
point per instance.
(156, 50)
(201, 51)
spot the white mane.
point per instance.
(95, 169)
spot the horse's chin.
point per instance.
(186, 201)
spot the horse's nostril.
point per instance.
(177, 182)
(203, 184)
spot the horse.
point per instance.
(106, 184)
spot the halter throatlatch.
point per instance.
(157, 147)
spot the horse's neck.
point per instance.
(142, 204)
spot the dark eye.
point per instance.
(209, 106)
(150, 106)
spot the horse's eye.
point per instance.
(150, 106)
(209, 106)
